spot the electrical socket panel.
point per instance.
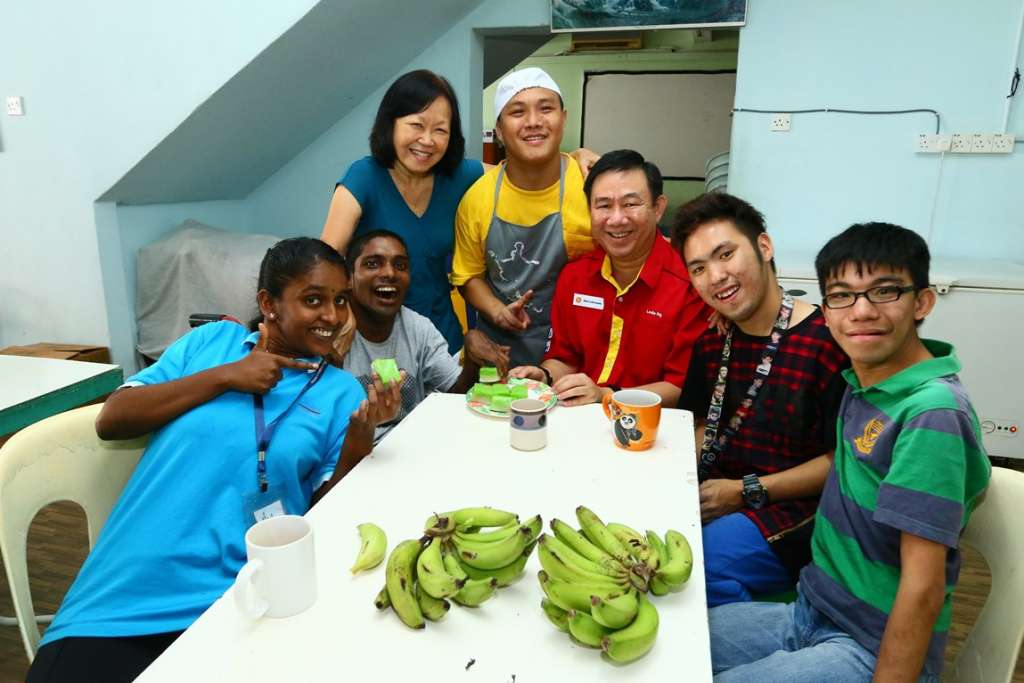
(15, 106)
(780, 123)
(932, 144)
(960, 143)
(981, 143)
(999, 427)
(1002, 143)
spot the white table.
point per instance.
(32, 389)
(440, 458)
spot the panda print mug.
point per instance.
(635, 416)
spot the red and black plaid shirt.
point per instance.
(793, 419)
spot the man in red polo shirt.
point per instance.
(624, 315)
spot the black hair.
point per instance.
(718, 206)
(412, 93)
(289, 259)
(869, 245)
(625, 160)
(356, 246)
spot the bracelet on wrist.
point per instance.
(547, 376)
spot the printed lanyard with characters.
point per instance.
(714, 443)
(264, 433)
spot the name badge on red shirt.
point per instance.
(588, 301)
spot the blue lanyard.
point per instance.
(265, 432)
(715, 442)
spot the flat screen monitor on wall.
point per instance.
(676, 119)
(612, 15)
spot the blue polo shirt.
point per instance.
(175, 539)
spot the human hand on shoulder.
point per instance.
(578, 389)
(720, 497)
(260, 370)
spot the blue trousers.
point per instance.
(773, 642)
(738, 562)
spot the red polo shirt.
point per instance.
(627, 335)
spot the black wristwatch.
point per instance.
(547, 376)
(755, 495)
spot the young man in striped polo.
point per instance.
(908, 470)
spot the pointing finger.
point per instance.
(263, 341)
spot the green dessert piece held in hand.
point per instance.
(489, 375)
(386, 369)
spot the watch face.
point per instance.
(753, 493)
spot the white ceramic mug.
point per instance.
(279, 580)
(528, 424)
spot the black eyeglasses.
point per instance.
(882, 294)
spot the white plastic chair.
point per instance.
(990, 652)
(59, 458)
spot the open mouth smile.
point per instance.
(727, 293)
(386, 293)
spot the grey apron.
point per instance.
(520, 258)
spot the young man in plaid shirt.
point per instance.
(764, 398)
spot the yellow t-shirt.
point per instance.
(522, 207)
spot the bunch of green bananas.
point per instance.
(465, 556)
(596, 581)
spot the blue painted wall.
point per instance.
(103, 83)
(832, 169)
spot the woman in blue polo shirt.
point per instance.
(175, 539)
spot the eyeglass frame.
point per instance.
(900, 291)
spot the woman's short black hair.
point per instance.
(410, 94)
(289, 259)
(868, 245)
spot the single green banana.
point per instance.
(654, 540)
(506, 575)
(606, 567)
(498, 534)
(557, 568)
(635, 640)
(373, 549)
(432, 608)
(624, 533)
(493, 555)
(585, 630)
(657, 586)
(556, 615)
(578, 541)
(597, 532)
(616, 612)
(432, 575)
(483, 517)
(476, 592)
(534, 525)
(680, 560)
(451, 562)
(577, 596)
(400, 576)
(383, 600)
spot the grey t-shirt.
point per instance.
(419, 349)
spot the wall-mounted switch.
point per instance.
(15, 106)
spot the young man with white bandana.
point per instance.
(523, 220)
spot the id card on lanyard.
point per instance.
(268, 500)
(714, 442)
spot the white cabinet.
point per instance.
(980, 310)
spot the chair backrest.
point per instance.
(59, 458)
(990, 651)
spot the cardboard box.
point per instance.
(83, 352)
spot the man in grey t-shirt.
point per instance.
(379, 263)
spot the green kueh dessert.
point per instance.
(386, 369)
(501, 403)
(489, 375)
(517, 391)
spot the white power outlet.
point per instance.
(960, 143)
(1002, 143)
(15, 106)
(780, 123)
(932, 144)
(981, 143)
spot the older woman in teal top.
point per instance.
(411, 184)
